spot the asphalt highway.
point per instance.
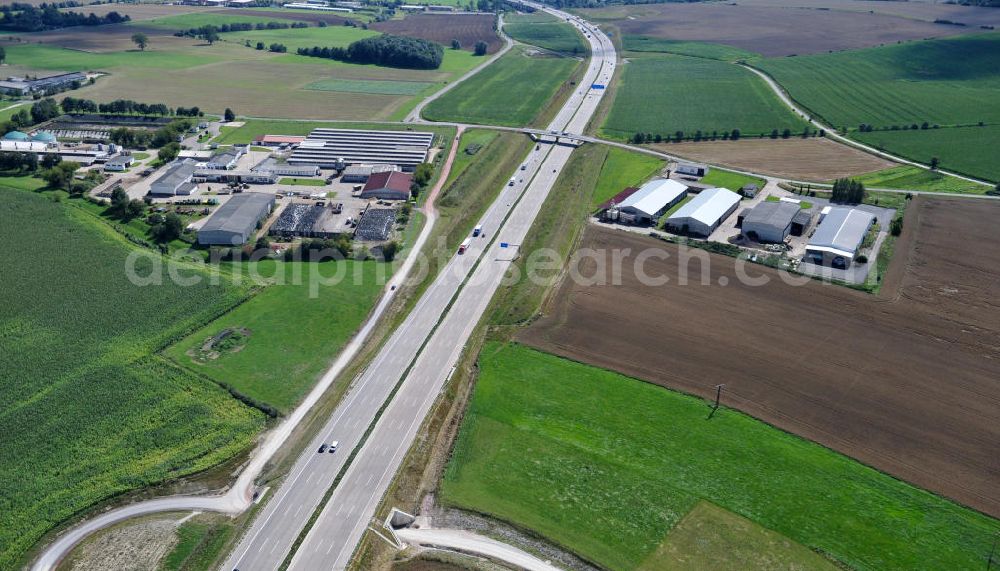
(417, 358)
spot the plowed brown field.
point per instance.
(818, 159)
(443, 28)
(908, 382)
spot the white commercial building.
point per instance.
(703, 214)
(838, 237)
(647, 204)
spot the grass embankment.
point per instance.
(547, 32)
(303, 181)
(732, 180)
(948, 82)
(607, 466)
(511, 91)
(623, 169)
(966, 150)
(803, 204)
(90, 411)
(907, 177)
(664, 93)
(200, 542)
(297, 326)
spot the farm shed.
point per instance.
(225, 159)
(647, 204)
(277, 140)
(360, 173)
(333, 147)
(703, 214)
(118, 163)
(391, 185)
(769, 221)
(801, 222)
(235, 221)
(176, 180)
(692, 169)
(237, 176)
(285, 169)
(838, 237)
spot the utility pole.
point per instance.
(718, 396)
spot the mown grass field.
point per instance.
(511, 91)
(906, 177)
(383, 87)
(303, 181)
(607, 466)
(252, 82)
(968, 150)
(89, 410)
(665, 93)
(732, 180)
(947, 81)
(297, 327)
(545, 31)
(623, 169)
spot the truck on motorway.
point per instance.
(464, 245)
(477, 230)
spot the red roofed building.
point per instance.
(389, 185)
(277, 140)
(619, 198)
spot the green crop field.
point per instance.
(293, 38)
(607, 466)
(511, 91)
(906, 177)
(731, 180)
(545, 32)
(384, 87)
(49, 57)
(88, 410)
(623, 169)
(950, 82)
(293, 333)
(632, 43)
(662, 94)
(967, 150)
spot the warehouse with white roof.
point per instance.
(704, 213)
(646, 205)
(838, 237)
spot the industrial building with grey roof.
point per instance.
(770, 221)
(839, 236)
(331, 148)
(233, 223)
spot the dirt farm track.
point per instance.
(907, 382)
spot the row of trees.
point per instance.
(211, 33)
(386, 50)
(27, 18)
(733, 135)
(126, 107)
(142, 138)
(848, 191)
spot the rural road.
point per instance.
(464, 541)
(240, 495)
(382, 413)
(831, 132)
